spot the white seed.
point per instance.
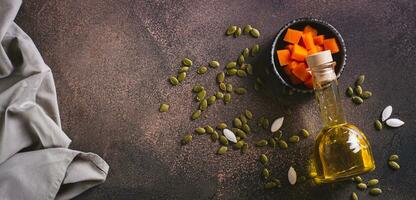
(277, 123)
(394, 122)
(291, 175)
(386, 113)
(230, 135)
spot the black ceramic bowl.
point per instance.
(324, 28)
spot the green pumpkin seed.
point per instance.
(164, 107)
(209, 129)
(197, 88)
(261, 143)
(255, 33)
(265, 173)
(359, 90)
(360, 80)
(270, 185)
(214, 64)
(277, 181)
(294, 139)
(372, 182)
(223, 140)
(283, 144)
(237, 32)
(378, 125)
(181, 76)
(231, 72)
(183, 69)
(375, 191)
(203, 105)
(214, 136)
(358, 179)
(201, 95)
(241, 60)
(229, 87)
(222, 150)
(245, 52)
(243, 119)
(366, 94)
(247, 29)
(394, 165)
(220, 77)
(200, 130)
(304, 133)
(211, 100)
(187, 62)
(394, 157)
(241, 73)
(240, 133)
(350, 92)
(227, 98)
(248, 114)
(222, 126)
(231, 30)
(240, 90)
(219, 95)
(272, 142)
(263, 159)
(249, 69)
(354, 196)
(196, 115)
(202, 70)
(266, 124)
(244, 148)
(277, 135)
(173, 80)
(255, 50)
(231, 65)
(237, 123)
(223, 87)
(246, 128)
(239, 144)
(186, 139)
(362, 186)
(357, 100)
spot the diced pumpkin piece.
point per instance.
(288, 71)
(307, 39)
(299, 53)
(310, 29)
(292, 65)
(319, 48)
(289, 47)
(292, 36)
(301, 72)
(331, 44)
(313, 50)
(309, 83)
(283, 56)
(319, 39)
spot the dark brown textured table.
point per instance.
(111, 60)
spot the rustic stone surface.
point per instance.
(111, 61)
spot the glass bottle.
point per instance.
(341, 149)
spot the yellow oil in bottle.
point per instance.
(341, 150)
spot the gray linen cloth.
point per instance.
(35, 162)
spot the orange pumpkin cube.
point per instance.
(310, 29)
(299, 53)
(289, 47)
(313, 50)
(283, 56)
(288, 70)
(301, 72)
(319, 39)
(319, 48)
(307, 39)
(292, 36)
(331, 44)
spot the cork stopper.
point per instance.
(319, 58)
(321, 65)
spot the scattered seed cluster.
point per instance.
(175, 80)
(392, 162)
(371, 185)
(357, 94)
(385, 117)
(236, 31)
(272, 182)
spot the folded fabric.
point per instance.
(35, 162)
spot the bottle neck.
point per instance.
(327, 94)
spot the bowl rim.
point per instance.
(306, 19)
